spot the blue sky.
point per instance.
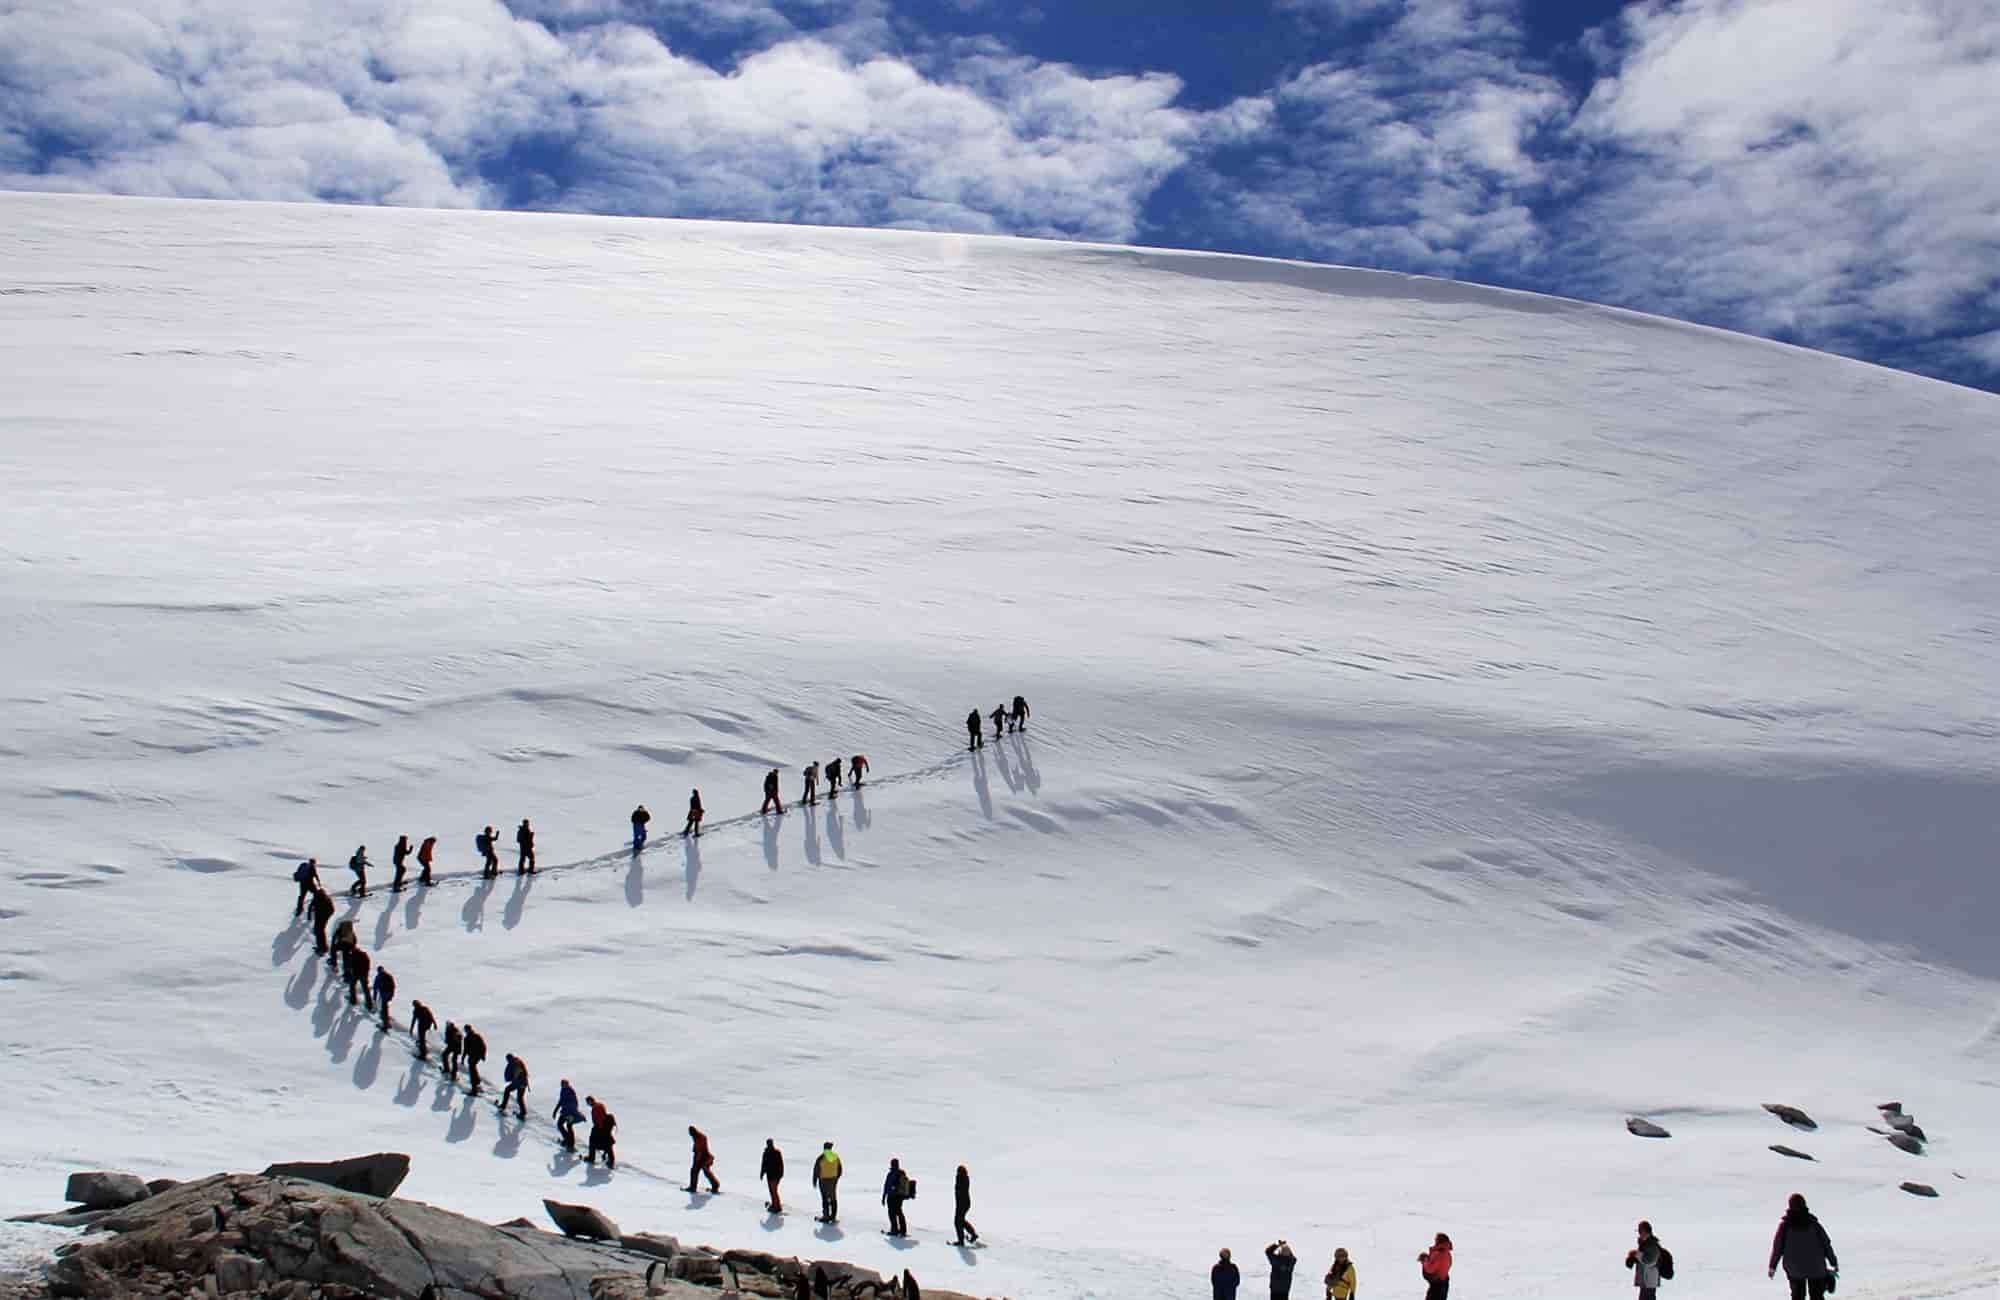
(1821, 171)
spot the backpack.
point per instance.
(304, 873)
(909, 1187)
(1666, 1265)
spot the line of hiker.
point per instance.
(1005, 718)
(485, 844)
(856, 772)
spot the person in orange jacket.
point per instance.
(1436, 1263)
(425, 852)
(704, 1162)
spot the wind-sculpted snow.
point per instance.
(1463, 721)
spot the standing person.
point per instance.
(356, 964)
(1280, 1257)
(1340, 1281)
(961, 1205)
(385, 993)
(640, 819)
(400, 856)
(524, 838)
(833, 775)
(972, 730)
(703, 1163)
(856, 768)
(1644, 1261)
(425, 852)
(772, 1170)
(1224, 1278)
(1436, 1264)
(343, 938)
(771, 793)
(596, 1129)
(421, 1024)
(454, 1049)
(999, 716)
(475, 1052)
(307, 877)
(358, 864)
(896, 1188)
(322, 912)
(567, 1113)
(812, 783)
(826, 1177)
(515, 1075)
(1020, 714)
(693, 826)
(1805, 1250)
(489, 856)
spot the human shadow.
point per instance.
(288, 940)
(415, 907)
(812, 837)
(966, 1254)
(836, 833)
(861, 817)
(382, 923)
(341, 1041)
(412, 1086)
(299, 989)
(696, 1200)
(598, 1175)
(508, 1145)
(771, 842)
(691, 848)
(445, 1094)
(905, 1242)
(473, 914)
(326, 1008)
(979, 785)
(1006, 768)
(369, 1063)
(1026, 757)
(829, 1232)
(771, 1222)
(517, 902)
(562, 1162)
(635, 881)
(462, 1122)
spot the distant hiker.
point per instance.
(355, 967)
(422, 1021)
(1224, 1278)
(693, 826)
(1436, 1265)
(385, 993)
(812, 783)
(475, 1052)
(961, 1205)
(454, 1050)
(1280, 1257)
(358, 864)
(640, 819)
(1644, 1261)
(425, 852)
(826, 1177)
(567, 1115)
(1340, 1280)
(999, 716)
(771, 793)
(972, 730)
(703, 1163)
(307, 875)
(489, 856)
(524, 838)
(772, 1170)
(1805, 1250)
(400, 856)
(857, 767)
(515, 1075)
(343, 935)
(322, 912)
(897, 1188)
(833, 775)
(1019, 716)
(602, 1124)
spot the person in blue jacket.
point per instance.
(568, 1114)
(1225, 1277)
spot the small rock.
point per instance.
(1904, 1142)
(377, 1175)
(1645, 1128)
(1890, 1107)
(655, 1244)
(1920, 1189)
(581, 1221)
(1783, 1150)
(520, 1221)
(105, 1191)
(1900, 1120)
(1791, 1115)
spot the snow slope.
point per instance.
(1463, 719)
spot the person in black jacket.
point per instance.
(421, 1024)
(400, 856)
(772, 1171)
(1805, 1250)
(1019, 716)
(961, 1205)
(475, 1052)
(308, 877)
(1224, 1278)
(322, 912)
(356, 971)
(1280, 1257)
(385, 992)
(972, 730)
(896, 1190)
(524, 839)
(516, 1077)
(640, 819)
(771, 799)
(358, 864)
(693, 826)
(454, 1049)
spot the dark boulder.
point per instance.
(581, 1221)
(377, 1175)
(1784, 1150)
(1791, 1115)
(1904, 1142)
(106, 1191)
(1645, 1128)
(1920, 1189)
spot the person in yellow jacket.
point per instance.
(826, 1177)
(1340, 1278)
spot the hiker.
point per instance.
(567, 1113)
(1280, 1257)
(1644, 1261)
(771, 793)
(704, 1162)
(640, 817)
(343, 937)
(322, 912)
(400, 857)
(475, 1052)
(833, 775)
(999, 716)
(355, 967)
(897, 1188)
(856, 767)
(515, 1075)
(385, 993)
(1436, 1265)
(693, 826)
(1340, 1277)
(454, 1050)
(772, 1170)
(489, 858)
(421, 1024)
(1805, 1250)
(358, 864)
(961, 1205)
(425, 852)
(826, 1177)
(524, 838)
(308, 877)
(812, 783)
(602, 1127)
(972, 729)
(1224, 1278)
(1019, 716)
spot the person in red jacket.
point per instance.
(704, 1162)
(1436, 1263)
(425, 852)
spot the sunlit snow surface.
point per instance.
(1463, 719)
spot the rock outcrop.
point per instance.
(377, 1175)
(105, 1191)
(581, 1221)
